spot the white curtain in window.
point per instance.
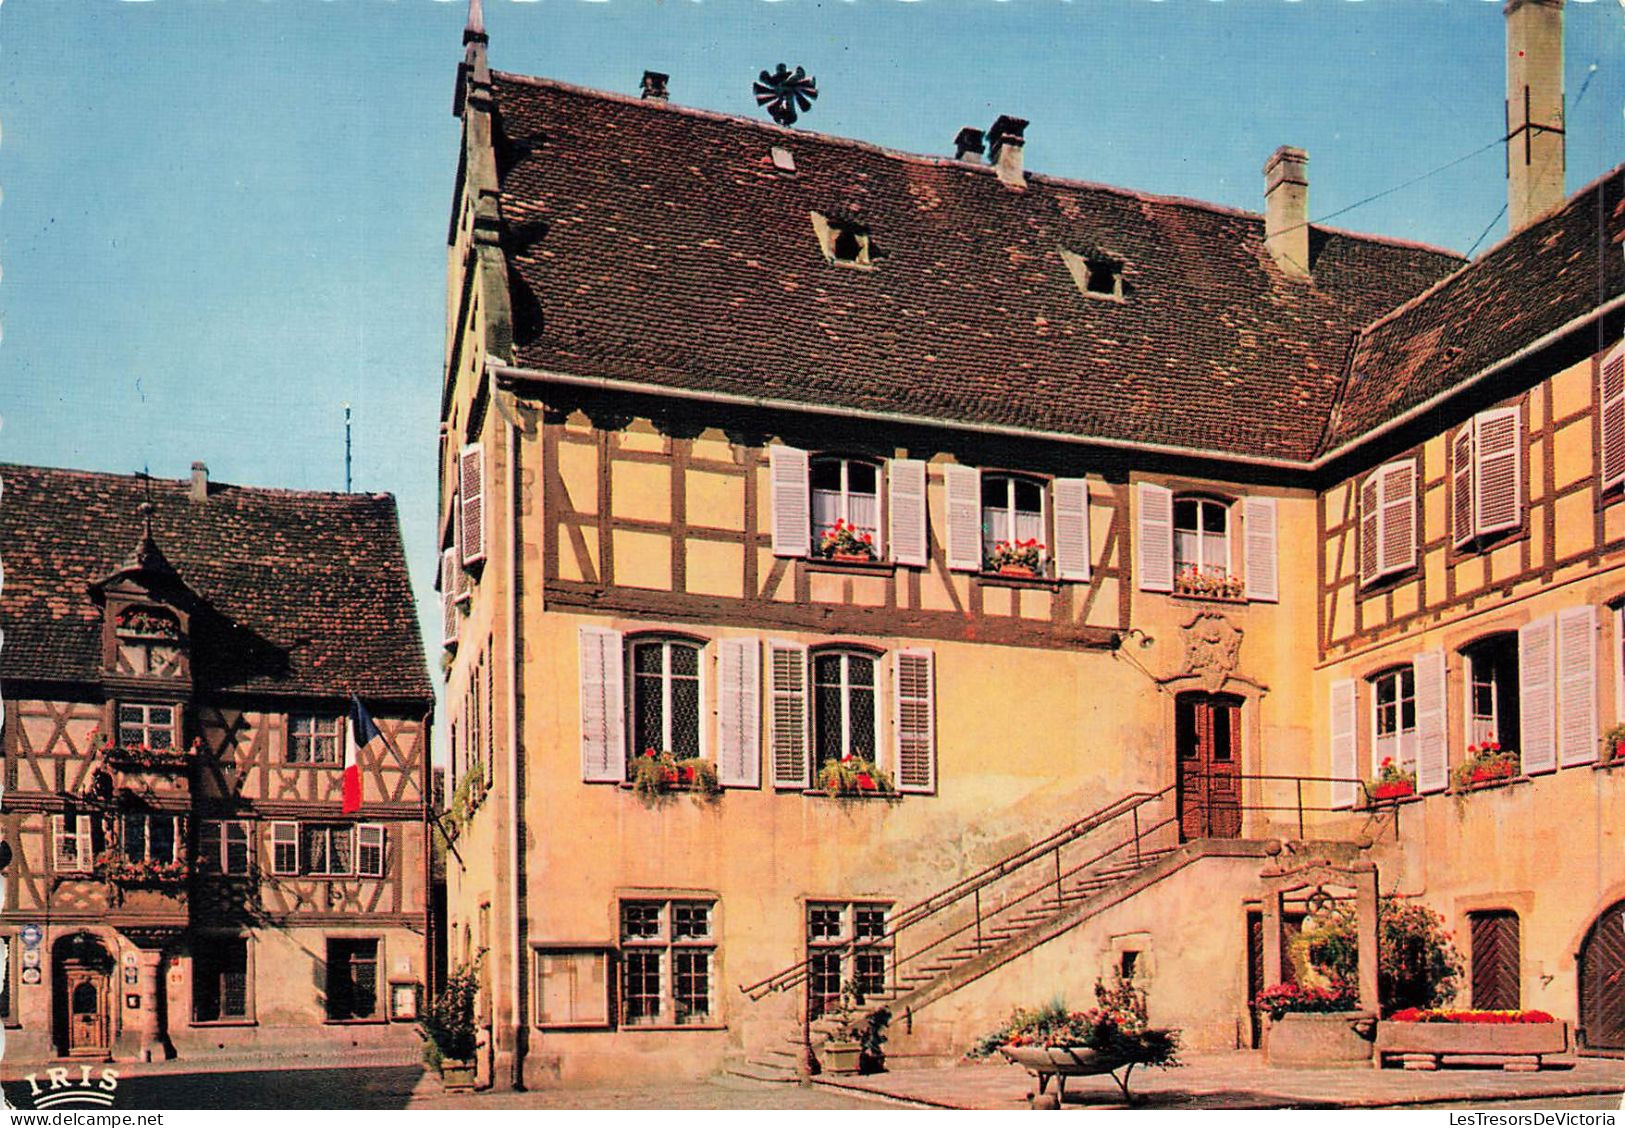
(863, 511)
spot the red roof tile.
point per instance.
(305, 593)
(658, 244)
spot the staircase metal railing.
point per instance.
(1036, 882)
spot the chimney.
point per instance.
(654, 86)
(1004, 144)
(1286, 210)
(968, 140)
(200, 482)
(1534, 109)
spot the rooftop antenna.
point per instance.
(347, 432)
(785, 92)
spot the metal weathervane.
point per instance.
(785, 93)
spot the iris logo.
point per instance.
(67, 1088)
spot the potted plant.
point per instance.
(657, 773)
(847, 1027)
(1191, 580)
(448, 1029)
(1613, 744)
(854, 776)
(1392, 781)
(843, 542)
(1017, 557)
(1485, 763)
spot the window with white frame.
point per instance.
(146, 726)
(315, 739)
(223, 846)
(328, 849)
(1012, 516)
(369, 850)
(846, 490)
(847, 944)
(1388, 526)
(1492, 690)
(71, 843)
(147, 837)
(665, 697)
(668, 954)
(1486, 475)
(1201, 538)
(843, 706)
(1393, 727)
(285, 848)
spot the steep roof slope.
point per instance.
(1530, 284)
(305, 592)
(657, 244)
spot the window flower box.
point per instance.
(854, 776)
(1400, 789)
(843, 543)
(1613, 744)
(1392, 782)
(658, 773)
(1017, 558)
(117, 869)
(1485, 763)
(142, 757)
(1201, 584)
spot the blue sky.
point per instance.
(222, 219)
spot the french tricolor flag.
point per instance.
(363, 734)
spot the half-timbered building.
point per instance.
(178, 663)
(1042, 570)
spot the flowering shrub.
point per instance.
(1417, 965)
(655, 773)
(854, 775)
(113, 866)
(1016, 553)
(1116, 1026)
(1294, 998)
(144, 755)
(844, 539)
(1485, 761)
(1192, 580)
(1485, 1017)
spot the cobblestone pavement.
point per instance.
(1242, 1080)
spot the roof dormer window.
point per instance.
(843, 242)
(1097, 275)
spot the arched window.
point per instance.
(666, 697)
(1013, 515)
(1201, 537)
(843, 706)
(1393, 718)
(846, 490)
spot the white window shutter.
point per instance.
(1498, 470)
(914, 694)
(1259, 514)
(463, 588)
(1072, 548)
(739, 712)
(449, 621)
(1370, 527)
(1397, 538)
(1155, 541)
(1432, 723)
(1344, 743)
(1461, 485)
(792, 501)
(1611, 399)
(1537, 695)
(471, 489)
(787, 714)
(964, 490)
(905, 497)
(1577, 686)
(603, 709)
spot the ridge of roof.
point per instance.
(339, 496)
(932, 160)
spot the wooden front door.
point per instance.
(1207, 740)
(1602, 983)
(88, 1019)
(1497, 960)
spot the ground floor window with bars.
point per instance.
(220, 980)
(847, 947)
(668, 956)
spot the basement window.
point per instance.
(1097, 275)
(843, 243)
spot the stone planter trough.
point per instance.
(1336, 1039)
(1516, 1045)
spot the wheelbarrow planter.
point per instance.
(1061, 1062)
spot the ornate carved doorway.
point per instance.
(83, 996)
(1602, 983)
(1207, 752)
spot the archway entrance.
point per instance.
(82, 996)
(1207, 750)
(1602, 983)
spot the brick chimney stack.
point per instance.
(1004, 144)
(1535, 159)
(1286, 210)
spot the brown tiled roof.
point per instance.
(658, 244)
(1522, 289)
(301, 593)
